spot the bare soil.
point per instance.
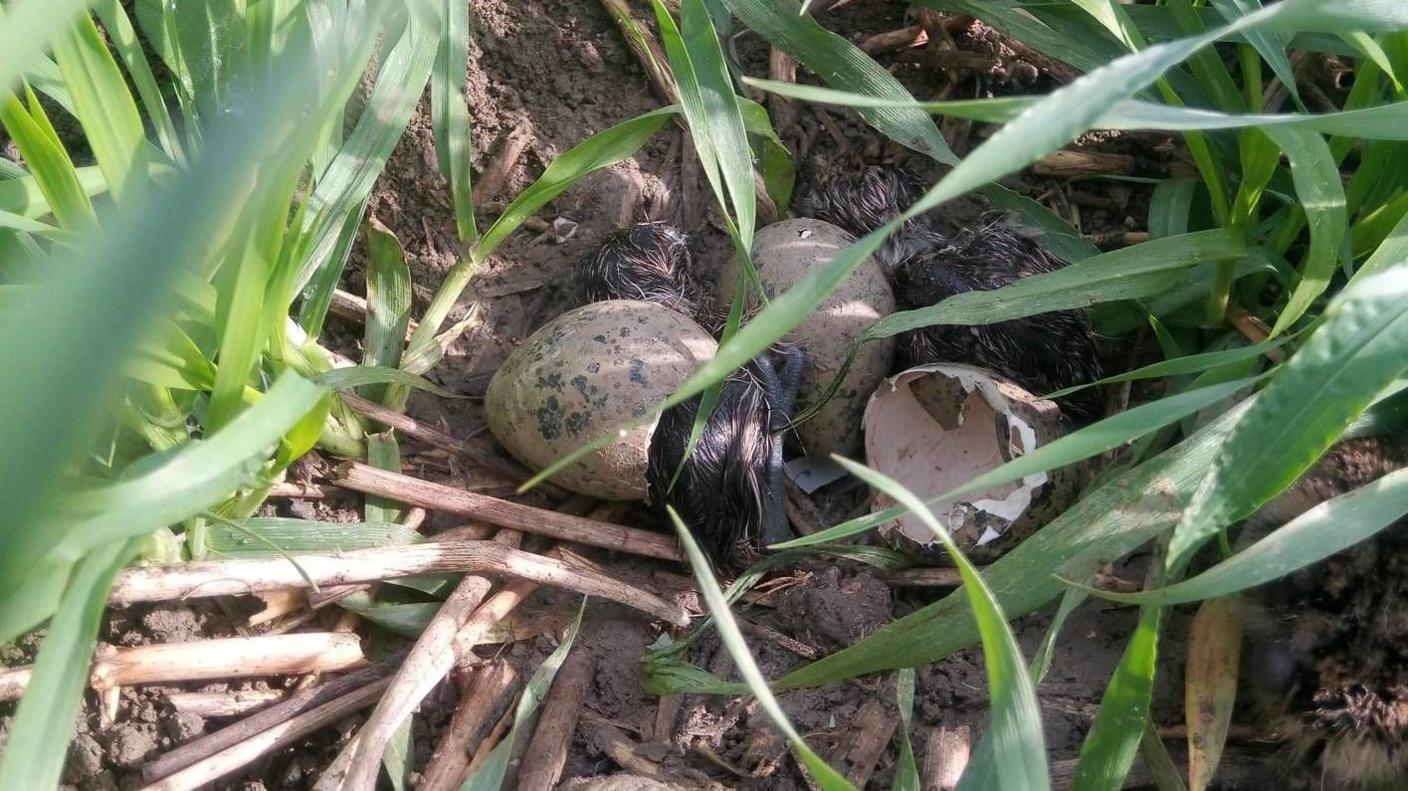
(560, 70)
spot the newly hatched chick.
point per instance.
(648, 261)
(1328, 662)
(729, 491)
(1042, 353)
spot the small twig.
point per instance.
(224, 704)
(487, 746)
(924, 577)
(437, 497)
(648, 51)
(773, 636)
(1071, 164)
(547, 752)
(619, 747)
(1253, 329)
(491, 183)
(431, 436)
(235, 577)
(235, 657)
(428, 662)
(861, 747)
(492, 685)
(782, 67)
(1118, 238)
(248, 751)
(299, 703)
(945, 757)
(895, 40)
(305, 491)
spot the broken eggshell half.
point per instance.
(936, 427)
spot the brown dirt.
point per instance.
(560, 70)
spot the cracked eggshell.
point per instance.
(935, 427)
(589, 371)
(784, 253)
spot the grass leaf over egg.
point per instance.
(1019, 745)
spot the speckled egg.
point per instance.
(934, 428)
(590, 371)
(784, 253)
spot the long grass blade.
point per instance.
(1321, 194)
(825, 776)
(111, 124)
(1016, 719)
(1319, 533)
(450, 114)
(1351, 357)
(38, 742)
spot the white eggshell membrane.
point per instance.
(936, 427)
(588, 372)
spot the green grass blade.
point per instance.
(1382, 122)
(710, 106)
(1039, 222)
(388, 306)
(124, 39)
(186, 481)
(1182, 366)
(1108, 521)
(383, 452)
(75, 331)
(1350, 358)
(111, 124)
(238, 311)
(253, 535)
(27, 28)
(1326, 529)
(317, 295)
(490, 775)
(1016, 718)
(363, 375)
(1393, 250)
(349, 178)
(1269, 45)
(48, 162)
(1169, 207)
(844, 66)
(1128, 273)
(1109, 749)
(825, 776)
(1320, 192)
(779, 169)
(35, 600)
(906, 769)
(43, 725)
(982, 771)
(450, 114)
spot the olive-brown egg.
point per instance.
(784, 253)
(589, 371)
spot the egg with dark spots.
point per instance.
(785, 253)
(565, 386)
